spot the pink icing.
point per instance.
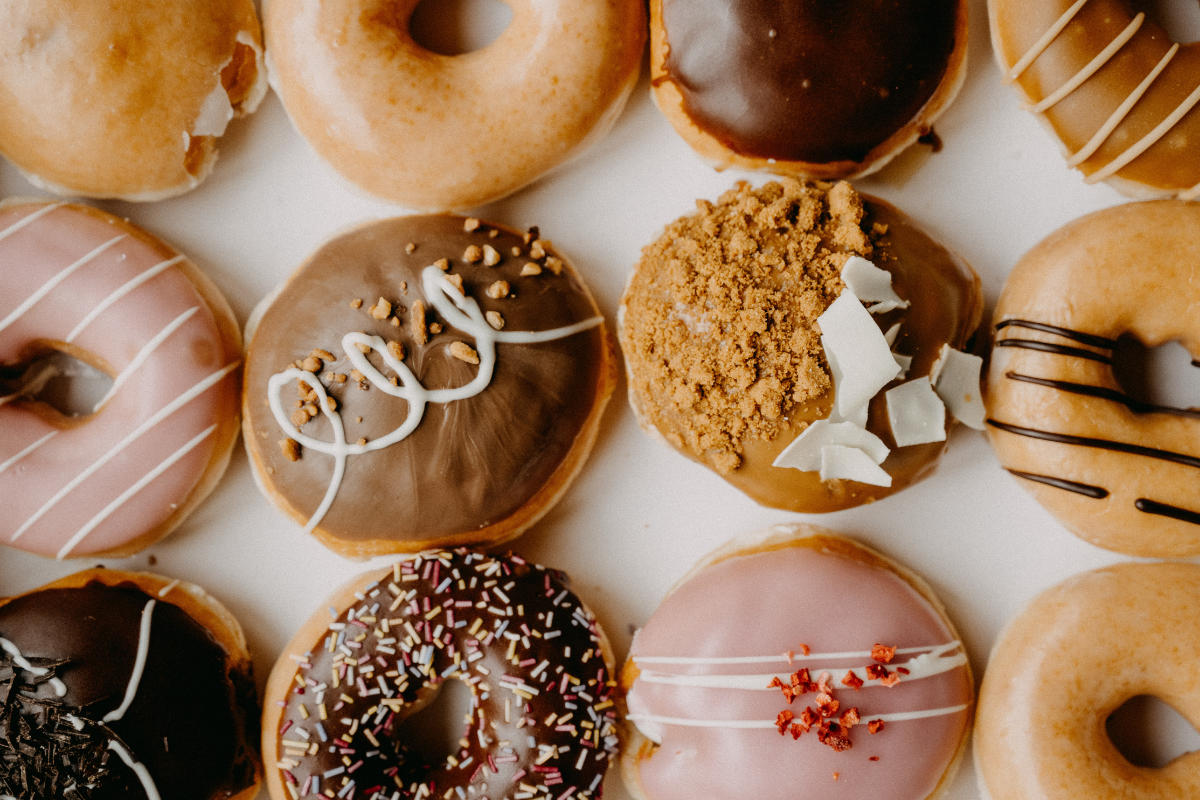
(767, 604)
(29, 258)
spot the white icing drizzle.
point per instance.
(5, 465)
(1147, 141)
(28, 219)
(141, 430)
(145, 353)
(1092, 66)
(139, 664)
(899, 716)
(124, 497)
(49, 286)
(166, 590)
(139, 768)
(128, 287)
(458, 311)
(1041, 44)
(926, 665)
(60, 688)
(786, 658)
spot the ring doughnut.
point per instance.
(124, 99)
(808, 90)
(125, 685)
(1119, 473)
(882, 680)
(465, 401)
(542, 721)
(85, 283)
(1120, 96)
(437, 132)
(1040, 731)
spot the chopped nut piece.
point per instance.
(456, 281)
(410, 248)
(879, 228)
(338, 377)
(555, 265)
(394, 381)
(363, 348)
(491, 256)
(417, 323)
(331, 402)
(442, 263)
(382, 309)
(310, 409)
(357, 376)
(395, 322)
(531, 268)
(356, 303)
(311, 364)
(493, 233)
(299, 404)
(495, 320)
(497, 290)
(537, 249)
(404, 287)
(324, 355)
(290, 448)
(300, 417)
(516, 251)
(396, 350)
(362, 442)
(358, 419)
(435, 327)
(463, 352)
(472, 254)
(531, 234)
(471, 224)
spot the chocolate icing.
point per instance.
(190, 721)
(469, 463)
(355, 696)
(1085, 489)
(806, 80)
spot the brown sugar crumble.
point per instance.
(721, 315)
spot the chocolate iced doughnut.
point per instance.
(125, 685)
(543, 720)
(461, 414)
(813, 89)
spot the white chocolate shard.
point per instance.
(850, 463)
(892, 333)
(871, 284)
(955, 377)
(804, 453)
(905, 363)
(864, 361)
(917, 415)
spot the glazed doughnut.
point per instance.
(439, 132)
(805, 89)
(465, 400)
(85, 283)
(1040, 732)
(1118, 94)
(759, 268)
(883, 684)
(125, 685)
(124, 99)
(1119, 473)
(542, 721)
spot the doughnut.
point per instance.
(468, 368)
(124, 99)
(883, 683)
(543, 714)
(805, 89)
(1040, 731)
(1120, 96)
(1117, 472)
(78, 281)
(435, 132)
(758, 269)
(123, 685)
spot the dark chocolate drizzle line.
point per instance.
(1104, 394)
(1057, 349)
(1101, 444)
(1164, 510)
(1083, 338)
(1095, 492)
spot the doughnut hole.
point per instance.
(65, 387)
(458, 27)
(1179, 18)
(1150, 733)
(1161, 376)
(435, 729)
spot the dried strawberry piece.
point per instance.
(873, 758)
(830, 733)
(825, 683)
(808, 718)
(890, 680)
(877, 672)
(883, 654)
(849, 719)
(826, 704)
(875, 726)
(902, 670)
(804, 649)
(784, 721)
(852, 680)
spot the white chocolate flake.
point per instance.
(917, 415)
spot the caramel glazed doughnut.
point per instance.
(1118, 472)
(731, 320)
(542, 722)
(883, 686)
(425, 380)
(1075, 655)
(1119, 95)
(122, 686)
(78, 281)
(810, 89)
(437, 132)
(124, 98)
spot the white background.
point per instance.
(640, 514)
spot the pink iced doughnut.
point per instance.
(86, 283)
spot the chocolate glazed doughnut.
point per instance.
(822, 90)
(468, 367)
(542, 719)
(121, 685)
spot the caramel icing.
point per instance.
(471, 449)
